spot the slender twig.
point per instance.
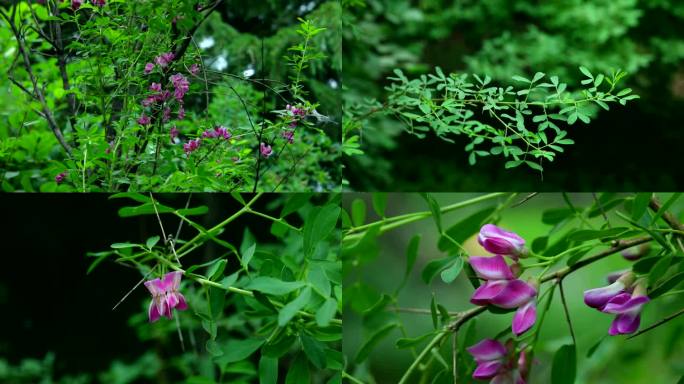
(567, 313)
(658, 323)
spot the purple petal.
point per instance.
(632, 305)
(487, 350)
(491, 268)
(599, 297)
(524, 318)
(155, 287)
(625, 323)
(487, 370)
(171, 300)
(516, 293)
(152, 312)
(487, 291)
(182, 304)
(172, 280)
(500, 241)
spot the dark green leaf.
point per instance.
(358, 209)
(435, 209)
(326, 312)
(314, 351)
(237, 349)
(433, 311)
(273, 286)
(590, 234)
(666, 286)
(640, 205)
(268, 370)
(412, 342)
(659, 270)
(411, 254)
(298, 372)
(290, 310)
(372, 341)
(380, 203)
(564, 366)
(464, 229)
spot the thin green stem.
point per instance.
(433, 343)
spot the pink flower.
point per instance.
(174, 133)
(494, 362)
(501, 242)
(181, 113)
(144, 120)
(503, 290)
(599, 297)
(180, 84)
(60, 177)
(164, 59)
(99, 3)
(76, 4)
(219, 131)
(165, 296)
(155, 87)
(300, 112)
(149, 67)
(191, 146)
(149, 101)
(194, 69)
(266, 150)
(289, 136)
(166, 115)
(628, 310)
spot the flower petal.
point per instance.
(487, 350)
(155, 287)
(172, 280)
(499, 241)
(487, 291)
(182, 304)
(152, 312)
(524, 318)
(599, 297)
(633, 305)
(491, 268)
(171, 300)
(514, 294)
(625, 323)
(487, 370)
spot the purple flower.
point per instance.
(181, 113)
(266, 150)
(218, 131)
(155, 87)
(144, 120)
(180, 84)
(300, 112)
(174, 133)
(166, 115)
(289, 136)
(149, 101)
(60, 177)
(165, 296)
(164, 59)
(191, 146)
(149, 67)
(99, 3)
(628, 310)
(599, 297)
(501, 242)
(493, 362)
(194, 69)
(76, 4)
(503, 290)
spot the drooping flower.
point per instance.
(503, 290)
(99, 3)
(60, 177)
(76, 4)
(144, 120)
(599, 297)
(289, 136)
(495, 362)
(501, 242)
(181, 85)
(266, 150)
(628, 308)
(155, 87)
(164, 59)
(191, 146)
(149, 67)
(165, 296)
(194, 69)
(173, 133)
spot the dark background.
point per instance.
(49, 304)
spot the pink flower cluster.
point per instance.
(162, 61)
(623, 298)
(76, 4)
(502, 288)
(165, 296)
(60, 177)
(217, 132)
(181, 86)
(498, 363)
(191, 146)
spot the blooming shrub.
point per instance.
(505, 298)
(126, 76)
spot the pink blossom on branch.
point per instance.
(599, 297)
(217, 132)
(164, 59)
(76, 4)
(155, 87)
(289, 136)
(194, 69)
(191, 146)
(165, 296)
(60, 177)
(144, 120)
(149, 67)
(174, 134)
(181, 113)
(501, 242)
(266, 150)
(496, 363)
(98, 3)
(181, 86)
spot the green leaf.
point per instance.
(564, 366)
(521, 79)
(314, 351)
(237, 350)
(586, 72)
(640, 205)
(290, 310)
(380, 203)
(152, 241)
(273, 286)
(435, 209)
(213, 348)
(247, 256)
(432, 268)
(659, 270)
(268, 370)
(594, 347)
(433, 311)
(372, 341)
(215, 271)
(358, 212)
(535, 166)
(591, 234)
(412, 254)
(124, 245)
(665, 207)
(298, 372)
(449, 274)
(411, 342)
(556, 215)
(326, 312)
(320, 226)
(464, 229)
(667, 285)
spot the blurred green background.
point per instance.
(502, 38)
(654, 357)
